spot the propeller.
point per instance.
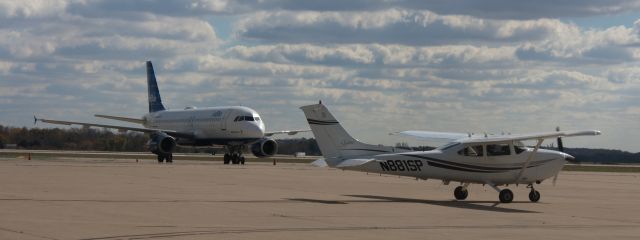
(560, 146)
(567, 157)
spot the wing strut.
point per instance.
(526, 163)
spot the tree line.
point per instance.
(91, 139)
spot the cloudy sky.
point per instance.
(380, 66)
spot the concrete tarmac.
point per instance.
(121, 199)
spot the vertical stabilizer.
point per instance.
(155, 102)
(333, 139)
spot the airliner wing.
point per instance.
(289, 132)
(125, 119)
(531, 136)
(135, 129)
(428, 135)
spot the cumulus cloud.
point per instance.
(492, 9)
(392, 26)
(373, 54)
(32, 8)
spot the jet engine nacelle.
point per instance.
(264, 148)
(161, 143)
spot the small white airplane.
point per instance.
(233, 127)
(491, 160)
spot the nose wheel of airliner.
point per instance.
(233, 159)
(460, 193)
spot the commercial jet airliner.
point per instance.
(234, 127)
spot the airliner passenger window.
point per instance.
(498, 149)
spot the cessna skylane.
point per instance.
(493, 160)
(233, 127)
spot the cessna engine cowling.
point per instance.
(264, 148)
(161, 143)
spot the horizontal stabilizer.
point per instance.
(288, 132)
(354, 162)
(124, 119)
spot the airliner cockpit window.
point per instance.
(244, 118)
(256, 118)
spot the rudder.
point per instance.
(333, 140)
(155, 102)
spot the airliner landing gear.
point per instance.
(534, 195)
(167, 157)
(235, 156)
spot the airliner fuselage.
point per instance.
(215, 125)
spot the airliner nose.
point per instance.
(254, 131)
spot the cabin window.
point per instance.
(498, 149)
(472, 151)
(519, 149)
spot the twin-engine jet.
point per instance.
(492, 160)
(234, 127)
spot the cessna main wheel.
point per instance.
(460, 193)
(506, 196)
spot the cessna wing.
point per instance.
(135, 129)
(531, 136)
(288, 132)
(468, 138)
(428, 135)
